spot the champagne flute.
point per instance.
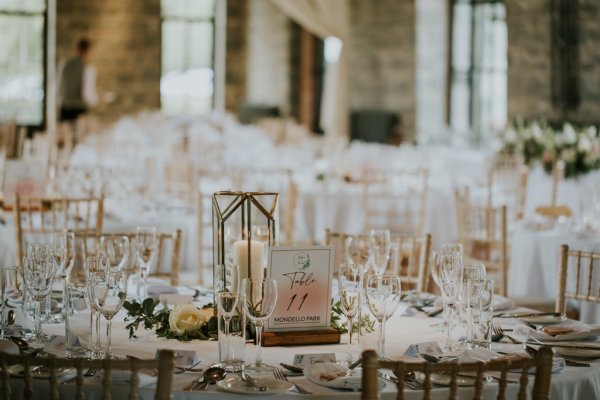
(38, 276)
(349, 288)
(146, 241)
(109, 290)
(116, 248)
(380, 245)
(94, 265)
(259, 298)
(227, 287)
(383, 297)
(63, 249)
(357, 251)
(471, 279)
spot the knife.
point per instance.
(292, 368)
(521, 315)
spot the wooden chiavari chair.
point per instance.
(395, 200)
(584, 287)
(409, 259)
(509, 175)
(168, 255)
(46, 215)
(180, 179)
(164, 364)
(540, 390)
(555, 210)
(483, 233)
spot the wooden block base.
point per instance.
(301, 338)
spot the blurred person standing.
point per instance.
(77, 84)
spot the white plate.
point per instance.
(234, 384)
(578, 353)
(544, 319)
(444, 379)
(62, 374)
(315, 372)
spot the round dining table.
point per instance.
(406, 327)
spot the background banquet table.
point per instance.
(534, 264)
(572, 382)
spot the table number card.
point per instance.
(303, 276)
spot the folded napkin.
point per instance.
(123, 377)
(579, 330)
(155, 291)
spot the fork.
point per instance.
(91, 372)
(499, 331)
(281, 376)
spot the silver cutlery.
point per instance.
(292, 368)
(355, 364)
(281, 376)
(530, 315)
(91, 372)
(181, 370)
(251, 382)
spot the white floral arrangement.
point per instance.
(537, 142)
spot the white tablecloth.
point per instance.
(534, 264)
(571, 383)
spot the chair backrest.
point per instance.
(395, 200)
(164, 364)
(541, 386)
(409, 260)
(508, 176)
(169, 254)
(583, 286)
(47, 215)
(482, 232)
(180, 179)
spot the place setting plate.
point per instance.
(445, 379)
(574, 352)
(543, 319)
(62, 374)
(235, 384)
(333, 375)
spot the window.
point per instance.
(479, 68)
(22, 61)
(187, 79)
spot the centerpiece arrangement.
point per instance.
(537, 142)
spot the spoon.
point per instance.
(10, 320)
(211, 376)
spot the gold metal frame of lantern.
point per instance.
(245, 204)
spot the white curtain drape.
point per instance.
(326, 18)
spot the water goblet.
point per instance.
(227, 291)
(380, 246)
(146, 241)
(349, 289)
(259, 298)
(109, 290)
(470, 282)
(38, 276)
(383, 297)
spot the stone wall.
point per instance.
(530, 67)
(382, 58)
(125, 50)
(268, 41)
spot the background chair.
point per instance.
(164, 364)
(483, 234)
(541, 386)
(409, 259)
(507, 177)
(45, 216)
(584, 286)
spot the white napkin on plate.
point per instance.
(583, 331)
(122, 377)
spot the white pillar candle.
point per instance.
(240, 257)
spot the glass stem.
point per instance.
(381, 336)
(359, 315)
(449, 326)
(38, 318)
(258, 360)
(469, 325)
(349, 340)
(145, 272)
(65, 297)
(227, 349)
(98, 344)
(108, 334)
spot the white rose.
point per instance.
(511, 136)
(585, 144)
(536, 131)
(185, 318)
(570, 134)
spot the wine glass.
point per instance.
(94, 265)
(38, 275)
(11, 297)
(383, 297)
(146, 241)
(109, 289)
(63, 250)
(349, 288)
(444, 271)
(227, 288)
(116, 248)
(379, 245)
(471, 279)
(259, 298)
